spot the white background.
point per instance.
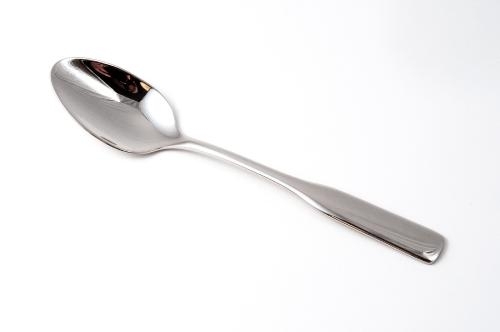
(396, 102)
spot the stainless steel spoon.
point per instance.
(129, 114)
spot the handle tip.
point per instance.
(431, 256)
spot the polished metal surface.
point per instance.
(127, 113)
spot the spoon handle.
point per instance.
(399, 233)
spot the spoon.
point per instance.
(129, 114)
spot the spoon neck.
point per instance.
(193, 145)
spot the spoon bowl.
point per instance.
(115, 106)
